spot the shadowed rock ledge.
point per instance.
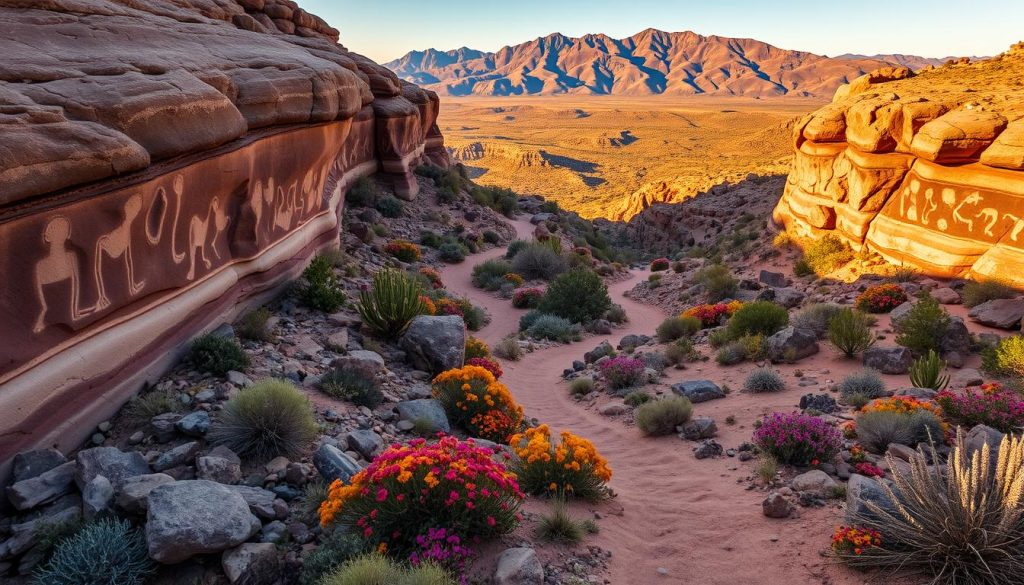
(162, 165)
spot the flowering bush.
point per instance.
(429, 308)
(582, 251)
(798, 439)
(660, 264)
(433, 276)
(991, 387)
(410, 489)
(868, 469)
(404, 250)
(487, 364)
(849, 541)
(710, 315)
(902, 405)
(476, 348)
(514, 279)
(450, 306)
(858, 454)
(475, 400)
(881, 298)
(527, 298)
(442, 547)
(622, 371)
(572, 468)
(999, 409)
(849, 429)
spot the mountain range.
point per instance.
(651, 62)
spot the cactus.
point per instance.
(391, 304)
(927, 372)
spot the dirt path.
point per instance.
(691, 519)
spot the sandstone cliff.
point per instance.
(926, 170)
(162, 163)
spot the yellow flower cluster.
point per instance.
(476, 348)
(567, 467)
(475, 399)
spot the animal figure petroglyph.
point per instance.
(972, 199)
(59, 265)
(199, 229)
(1017, 227)
(118, 244)
(992, 216)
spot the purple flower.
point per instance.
(798, 438)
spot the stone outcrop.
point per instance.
(164, 164)
(926, 170)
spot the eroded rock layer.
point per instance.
(926, 170)
(162, 165)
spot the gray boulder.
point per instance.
(43, 488)
(220, 465)
(29, 464)
(1000, 313)
(598, 352)
(132, 494)
(791, 344)
(179, 455)
(701, 427)
(362, 360)
(195, 424)
(633, 341)
(956, 338)
(26, 532)
(252, 563)
(365, 442)
(434, 343)
(259, 500)
(815, 481)
(334, 464)
(889, 360)
(776, 279)
(787, 297)
(111, 463)
(188, 518)
(519, 566)
(97, 498)
(708, 448)
(426, 411)
(861, 490)
(698, 390)
(979, 436)
(776, 506)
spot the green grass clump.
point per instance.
(364, 193)
(376, 569)
(270, 418)
(490, 274)
(322, 290)
(391, 303)
(815, 318)
(827, 254)
(578, 295)
(559, 525)
(681, 351)
(921, 330)
(876, 430)
(975, 293)
(661, 417)
(764, 380)
(674, 328)
(354, 385)
(390, 206)
(216, 355)
(509, 349)
(637, 398)
(551, 327)
(866, 382)
(335, 550)
(143, 407)
(758, 318)
(850, 332)
(538, 260)
(107, 552)
(718, 281)
(581, 386)
(452, 252)
(253, 325)
(928, 372)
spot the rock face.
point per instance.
(917, 169)
(163, 163)
(436, 344)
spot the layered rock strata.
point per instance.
(926, 170)
(163, 164)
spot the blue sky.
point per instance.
(387, 29)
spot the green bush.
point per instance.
(578, 295)
(719, 282)
(552, 327)
(490, 274)
(731, 354)
(270, 418)
(1006, 358)
(363, 194)
(866, 382)
(390, 206)
(927, 372)
(431, 239)
(539, 261)
(107, 552)
(978, 292)
(143, 407)
(616, 314)
(681, 351)
(355, 385)
(581, 386)
(827, 254)
(491, 237)
(509, 349)
(376, 569)
(661, 417)
(322, 290)
(216, 355)
(815, 318)
(673, 328)
(334, 551)
(637, 397)
(764, 380)
(850, 333)
(877, 429)
(504, 201)
(802, 268)
(922, 329)
(758, 318)
(514, 247)
(452, 252)
(718, 337)
(391, 304)
(559, 525)
(253, 325)
(528, 319)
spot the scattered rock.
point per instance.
(333, 464)
(427, 411)
(999, 313)
(195, 424)
(435, 343)
(598, 352)
(860, 490)
(965, 378)
(97, 498)
(179, 455)
(633, 341)
(776, 506)
(111, 463)
(45, 487)
(979, 436)
(365, 442)
(362, 360)
(791, 344)
(252, 563)
(820, 402)
(815, 480)
(186, 518)
(613, 408)
(259, 500)
(519, 566)
(701, 427)
(946, 296)
(132, 494)
(889, 360)
(698, 390)
(29, 464)
(708, 448)
(775, 279)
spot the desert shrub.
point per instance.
(478, 403)
(527, 298)
(322, 289)
(515, 247)
(681, 351)
(616, 314)
(718, 282)
(334, 551)
(581, 386)
(622, 371)
(380, 230)
(798, 439)
(356, 385)
(876, 430)
(253, 325)
(660, 264)
(488, 364)
(1006, 358)
(504, 201)
(764, 380)
(476, 348)
(850, 333)
(411, 488)
(270, 418)
(143, 407)
(673, 328)
(921, 330)
(363, 194)
(491, 237)
(391, 303)
(661, 417)
(958, 524)
(403, 250)
(313, 495)
(559, 525)
(431, 239)
(998, 408)
(827, 254)
(710, 315)
(390, 206)
(758, 317)
(571, 467)
(782, 241)
(509, 349)
(731, 354)
(881, 298)
(816, 318)
(452, 252)
(215, 354)
(550, 327)
(637, 397)
(539, 261)
(490, 274)
(528, 319)
(975, 293)
(927, 372)
(106, 552)
(474, 317)
(802, 268)
(376, 569)
(866, 382)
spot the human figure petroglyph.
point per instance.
(992, 216)
(118, 244)
(1018, 227)
(178, 186)
(972, 199)
(59, 265)
(930, 205)
(199, 229)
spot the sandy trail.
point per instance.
(692, 518)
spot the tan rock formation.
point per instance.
(924, 170)
(163, 164)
